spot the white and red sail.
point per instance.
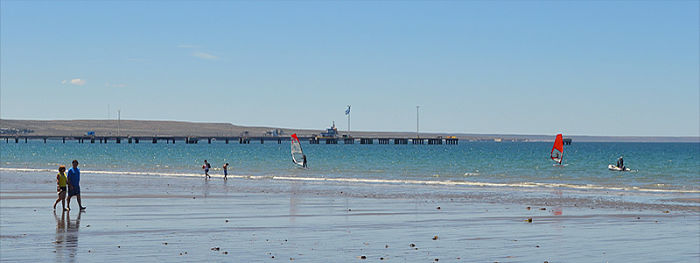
(557, 153)
(297, 152)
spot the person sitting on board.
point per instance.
(304, 163)
(620, 163)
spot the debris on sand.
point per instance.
(165, 243)
(528, 208)
(436, 260)
(386, 246)
(381, 258)
(529, 220)
(666, 212)
(215, 249)
(363, 257)
(438, 208)
(435, 237)
(543, 208)
(412, 245)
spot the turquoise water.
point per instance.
(656, 166)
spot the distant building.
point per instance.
(330, 133)
(275, 132)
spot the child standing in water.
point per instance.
(225, 171)
(206, 168)
(61, 188)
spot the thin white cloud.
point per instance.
(76, 82)
(202, 55)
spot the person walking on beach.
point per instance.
(225, 171)
(74, 184)
(206, 168)
(62, 187)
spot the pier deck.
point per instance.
(227, 139)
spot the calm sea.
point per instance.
(666, 167)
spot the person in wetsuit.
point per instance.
(620, 163)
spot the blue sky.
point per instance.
(527, 67)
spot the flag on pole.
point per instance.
(347, 112)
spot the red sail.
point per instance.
(557, 153)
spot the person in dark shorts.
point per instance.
(74, 184)
(206, 168)
(225, 171)
(62, 187)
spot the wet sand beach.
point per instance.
(184, 219)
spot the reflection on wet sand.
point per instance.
(66, 237)
(293, 202)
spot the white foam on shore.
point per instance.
(377, 181)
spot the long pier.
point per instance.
(227, 139)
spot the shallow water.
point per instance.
(656, 166)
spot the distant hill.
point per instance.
(181, 128)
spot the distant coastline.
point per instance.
(182, 128)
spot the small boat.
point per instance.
(615, 168)
(557, 154)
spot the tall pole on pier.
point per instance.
(417, 121)
(347, 112)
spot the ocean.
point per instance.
(656, 167)
(472, 202)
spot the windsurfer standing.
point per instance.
(304, 164)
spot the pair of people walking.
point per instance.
(70, 184)
(207, 166)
